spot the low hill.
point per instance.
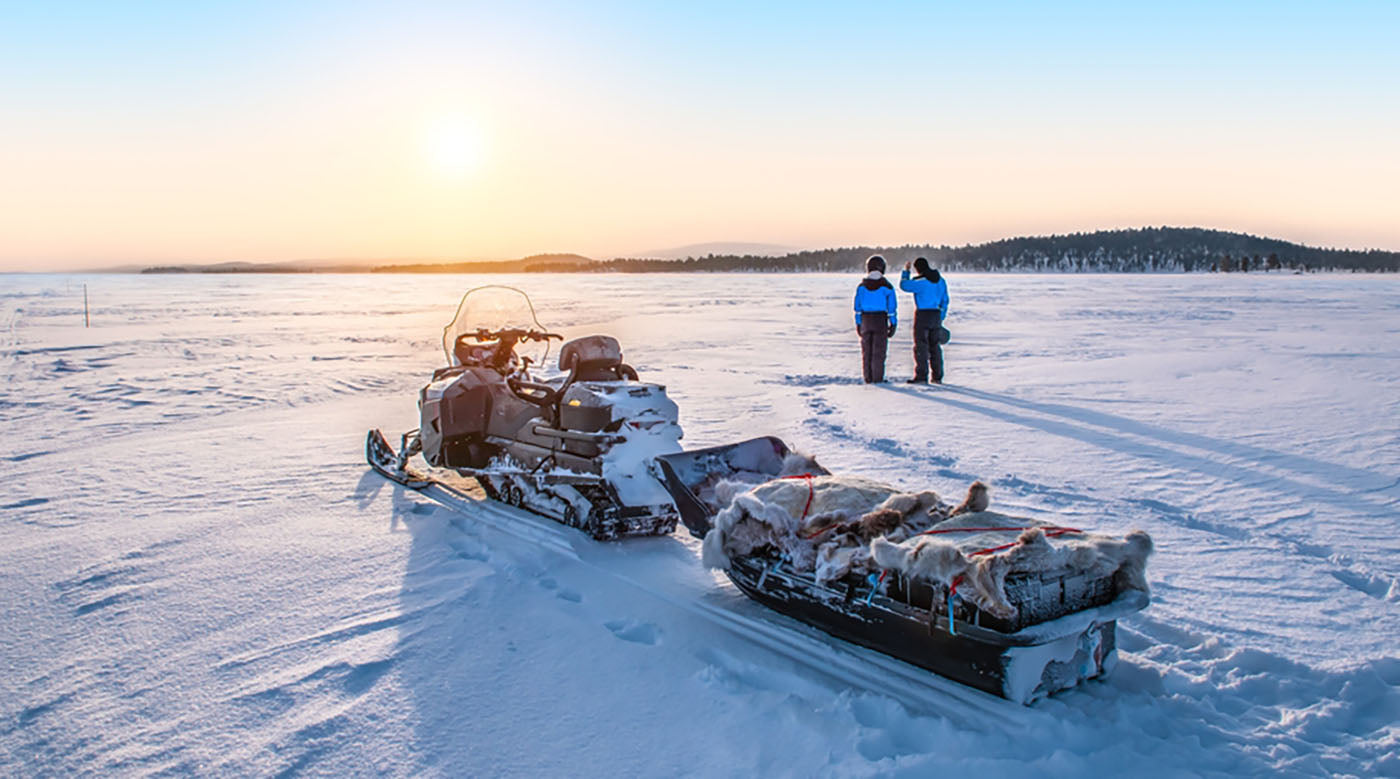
(533, 263)
(573, 262)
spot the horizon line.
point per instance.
(130, 265)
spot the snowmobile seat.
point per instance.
(594, 358)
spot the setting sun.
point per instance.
(452, 146)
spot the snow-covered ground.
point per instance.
(199, 573)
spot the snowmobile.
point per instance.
(1063, 630)
(577, 446)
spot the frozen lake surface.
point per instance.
(199, 573)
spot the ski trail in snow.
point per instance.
(1306, 467)
(1215, 461)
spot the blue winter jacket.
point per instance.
(882, 298)
(927, 294)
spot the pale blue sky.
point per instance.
(146, 131)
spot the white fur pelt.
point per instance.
(787, 513)
(944, 558)
(795, 463)
(719, 491)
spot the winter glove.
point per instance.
(890, 334)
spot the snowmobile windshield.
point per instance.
(491, 309)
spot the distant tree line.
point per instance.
(1161, 249)
(1146, 250)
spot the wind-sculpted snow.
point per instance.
(198, 574)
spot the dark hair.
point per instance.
(876, 262)
(921, 265)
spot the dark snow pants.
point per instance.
(928, 354)
(874, 340)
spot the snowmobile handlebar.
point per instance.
(514, 334)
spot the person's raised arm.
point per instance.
(904, 282)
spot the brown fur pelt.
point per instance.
(894, 513)
(846, 546)
(879, 522)
(978, 499)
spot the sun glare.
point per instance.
(452, 147)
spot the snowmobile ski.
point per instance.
(382, 458)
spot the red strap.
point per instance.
(1050, 530)
(810, 492)
(1054, 531)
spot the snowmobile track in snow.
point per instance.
(918, 690)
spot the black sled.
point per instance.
(1062, 634)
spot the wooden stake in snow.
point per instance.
(85, 306)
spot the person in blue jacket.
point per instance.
(876, 318)
(930, 306)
